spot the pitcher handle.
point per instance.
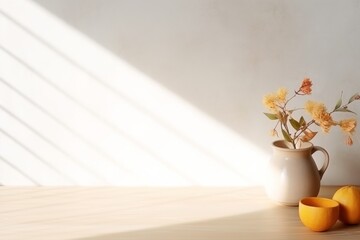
(326, 159)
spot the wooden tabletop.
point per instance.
(104, 213)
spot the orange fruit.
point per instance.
(318, 214)
(349, 201)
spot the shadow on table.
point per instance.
(275, 223)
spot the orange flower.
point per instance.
(320, 115)
(349, 141)
(306, 86)
(326, 122)
(348, 125)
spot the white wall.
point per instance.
(165, 92)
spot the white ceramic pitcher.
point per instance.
(293, 174)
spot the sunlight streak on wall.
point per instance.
(73, 113)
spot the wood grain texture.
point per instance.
(104, 213)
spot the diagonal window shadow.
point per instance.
(151, 134)
(118, 94)
(19, 170)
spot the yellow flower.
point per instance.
(348, 125)
(314, 107)
(306, 86)
(269, 101)
(320, 115)
(281, 95)
(273, 133)
(273, 100)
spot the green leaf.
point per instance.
(295, 124)
(302, 122)
(354, 97)
(339, 102)
(286, 136)
(343, 109)
(272, 116)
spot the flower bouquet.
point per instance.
(297, 130)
